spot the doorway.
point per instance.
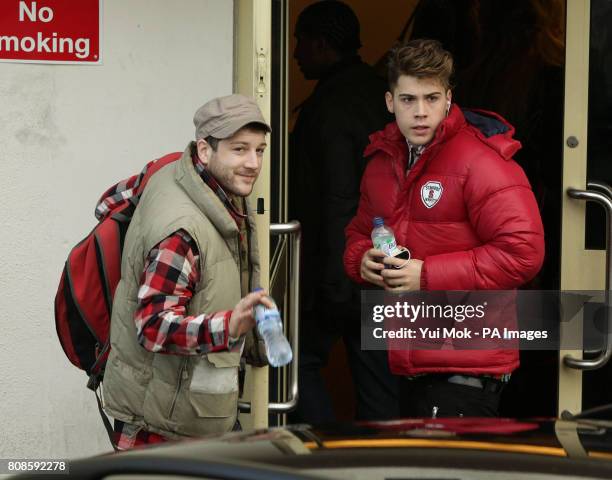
(525, 78)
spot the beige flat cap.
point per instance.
(224, 116)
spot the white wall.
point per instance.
(66, 134)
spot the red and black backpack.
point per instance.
(84, 298)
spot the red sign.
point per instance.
(50, 31)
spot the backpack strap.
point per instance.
(158, 165)
(110, 251)
(107, 425)
(94, 384)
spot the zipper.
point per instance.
(99, 354)
(395, 174)
(183, 375)
(432, 152)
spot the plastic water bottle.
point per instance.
(383, 238)
(270, 327)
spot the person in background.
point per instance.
(526, 86)
(326, 165)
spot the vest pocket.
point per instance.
(121, 402)
(199, 413)
(215, 374)
(182, 376)
(214, 405)
(207, 401)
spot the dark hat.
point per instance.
(223, 116)
(334, 21)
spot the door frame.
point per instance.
(252, 77)
(580, 269)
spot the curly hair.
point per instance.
(333, 20)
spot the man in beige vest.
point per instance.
(182, 309)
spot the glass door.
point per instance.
(587, 174)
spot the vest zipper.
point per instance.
(183, 375)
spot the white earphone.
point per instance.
(448, 107)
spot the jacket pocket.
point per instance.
(215, 374)
(208, 401)
(224, 359)
(214, 405)
(123, 389)
(182, 376)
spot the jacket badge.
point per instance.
(431, 193)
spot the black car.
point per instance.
(404, 449)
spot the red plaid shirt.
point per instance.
(167, 284)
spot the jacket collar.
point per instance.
(337, 68)
(490, 128)
(391, 140)
(341, 74)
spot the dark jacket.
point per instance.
(466, 209)
(326, 165)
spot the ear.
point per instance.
(449, 97)
(389, 101)
(204, 151)
(320, 44)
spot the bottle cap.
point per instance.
(378, 222)
(259, 289)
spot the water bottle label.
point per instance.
(263, 314)
(387, 244)
(270, 327)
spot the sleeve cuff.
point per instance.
(227, 338)
(352, 260)
(234, 344)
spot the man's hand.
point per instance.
(403, 279)
(371, 267)
(242, 319)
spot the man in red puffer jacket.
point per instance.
(445, 182)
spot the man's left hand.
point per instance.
(404, 279)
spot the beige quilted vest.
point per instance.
(175, 395)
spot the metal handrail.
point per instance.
(293, 229)
(602, 187)
(604, 200)
(276, 260)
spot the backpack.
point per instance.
(84, 298)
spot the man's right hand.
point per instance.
(242, 319)
(371, 266)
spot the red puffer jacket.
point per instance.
(466, 209)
